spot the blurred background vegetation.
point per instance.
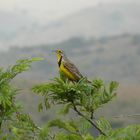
(103, 40)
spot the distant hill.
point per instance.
(115, 57)
(102, 20)
(103, 42)
(109, 58)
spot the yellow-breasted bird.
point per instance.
(67, 67)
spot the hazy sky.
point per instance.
(49, 9)
(42, 12)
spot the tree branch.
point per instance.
(91, 117)
(124, 116)
(88, 119)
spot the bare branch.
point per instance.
(88, 119)
(125, 116)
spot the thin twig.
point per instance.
(89, 120)
(91, 115)
(1, 124)
(130, 115)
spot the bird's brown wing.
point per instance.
(72, 68)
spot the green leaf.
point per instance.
(88, 137)
(104, 125)
(74, 137)
(64, 136)
(57, 123)
(74, 125)
(68, 126)
(98, 83)
(61, 136)
(113, 86)
(47, 104)
(65, 109)
(37, 59)
(40, 107)
(84, 126)
(44, 133)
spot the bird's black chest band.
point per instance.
(59, 62)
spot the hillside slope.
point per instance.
(115, 57)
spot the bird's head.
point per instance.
(59, 53)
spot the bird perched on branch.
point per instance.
(66, 67)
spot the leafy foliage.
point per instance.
(19, 125)
(128, 133)
(82, 97)
(87, 96)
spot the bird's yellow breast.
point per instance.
(67, 72)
